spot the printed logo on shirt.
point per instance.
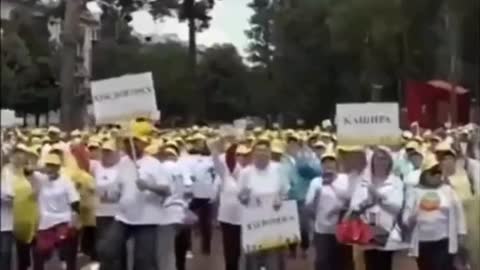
(430, 202)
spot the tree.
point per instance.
(196, 14)
(222, 82)
(260, 48)
(28, 80)
(302, 62)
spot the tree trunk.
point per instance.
(192, 46)
(37, 119)
(452, 31)
(192, 66)
(68, 62)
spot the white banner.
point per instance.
(263, 228)
(123, 98)
(368, 124)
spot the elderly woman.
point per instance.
(438, 220)
(59, 206)
(380, 197)
(328, 197)
(257, 182)
(18, 207)
(462, 173)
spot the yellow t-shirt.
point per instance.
(461, 184)
(85, 185)
(25, 208)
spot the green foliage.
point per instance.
(260, 33)
(197, 10)
(221, 75)
(322, 51)
(28, 79)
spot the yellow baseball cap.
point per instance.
(445, 147)
(329, 154)
(351, 148)
(109, 145)
(242, 150)
(52, 159)
(53, 129)
(277, 147)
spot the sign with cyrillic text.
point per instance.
(368, 124)
(124, 98)
(264, 228)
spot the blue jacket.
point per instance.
(300, 172)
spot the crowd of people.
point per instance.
(91, 192)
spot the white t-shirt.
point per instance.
(6, 200)
(204, 175)
(107, 183)
(413, 178)
(333, 199)
(141, 207)
(55, 200)
(383, 214)
(229, 210)
(432, 213)
(267, 182)
(181, 182)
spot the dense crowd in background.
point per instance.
(92, 191)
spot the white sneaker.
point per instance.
(189, 255)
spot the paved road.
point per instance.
(402, 262)
(215, 261)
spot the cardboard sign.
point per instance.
(263, 228)
(368, 124)
(123, 98)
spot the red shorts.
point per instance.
(48, 240)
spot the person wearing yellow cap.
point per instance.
(75, 166)
(457, 176)
(435, 215)
(18, 209)
(175, 232)
(93, 146)
(465, 187)
(242, 155)
(228, 164)
(415, 158)
(200, 164)
(301, 166)
(107, 190)
(327, 198)
(319, 148)
(59, 204)
(144, 189)
(263, 179)
(385, 194)
(278, 149)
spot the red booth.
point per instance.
(428, 103)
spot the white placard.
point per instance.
(368, 124)
(263, 228)
(8, 119)
(123, 98)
